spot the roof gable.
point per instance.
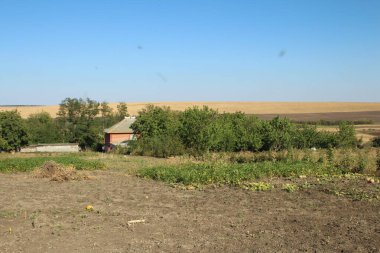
(123, 126)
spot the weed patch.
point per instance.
(259, 186)
(233, 174)
(290, 187)
(24, 164)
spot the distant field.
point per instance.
(373, 116)
(294, 110)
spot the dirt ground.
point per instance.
(37, 215)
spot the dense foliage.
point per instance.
(84, 120)
(198, 130)
(376, 142)
(163, 132)
(78, 121)
(43, 128)
(13, 131)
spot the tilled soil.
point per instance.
(37, 215)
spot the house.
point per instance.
(52, 148)
(119, 134)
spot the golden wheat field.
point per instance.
(246, 107)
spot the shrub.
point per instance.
(13, 131)
(279, 134)
(158, 146)
(198, 130)
(376, 142)
(346, 135)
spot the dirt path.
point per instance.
(42, 216)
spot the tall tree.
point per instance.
(77, 121)
(122, 111)
(105, 110)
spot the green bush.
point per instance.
(376, 142)
(197, 131)
(158, 146)
(13, 131)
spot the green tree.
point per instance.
(236, 132)
(198, 129)
(346, 136)
(13, 131)
(122, 111)
(107, 117)
(105, 110)
(279, 134)
(77, 118)
(158, 132)
(43, 129)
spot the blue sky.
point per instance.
(206, 50)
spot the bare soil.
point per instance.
(38, 215)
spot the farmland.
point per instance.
(273, 202)
(207, 198)
(295, 110)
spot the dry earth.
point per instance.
(246, 107)
(37, 215)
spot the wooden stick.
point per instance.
(131, 222)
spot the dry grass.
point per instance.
(246, 107)
(58, 172)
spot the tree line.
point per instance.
(163, 132)
(78, 121)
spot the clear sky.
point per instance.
(173, 50)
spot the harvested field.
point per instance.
(373, 116)
(274, 108)
(38, 215)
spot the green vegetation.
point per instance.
(163, 132)
(77, 118)
(290, 187)
(13, 131)
(232, 173)
(197, 131)
(259, 186)
(243, 168)
(78, 121)
(23, 164)
(376, 142)
(43, 128)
